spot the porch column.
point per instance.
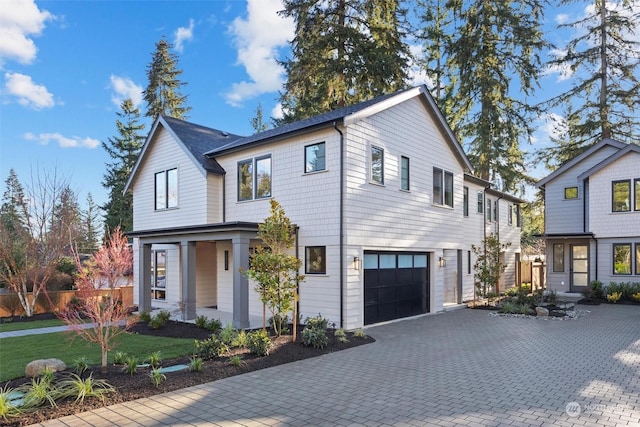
(144, 278)
(188, 294)
(240, 283)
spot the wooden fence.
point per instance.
(10, 303)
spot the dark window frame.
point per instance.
(253, 178)
(488, 209)
(309, 267)
(169, 185)
(443, 183)
(613, 258)
(257, 178)
(465, 201)
(405, 173)
(569, 195)
(558, 261)
(636, 191)
(510, 218)
(155, 287)
(480, 207)
(638, 259)
(374, 179)
(613, 195)
(315, 167)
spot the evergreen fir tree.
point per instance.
(66, 218)
(89, 241)
(162, 94)
(124, 150)
(257, 122)
(14, 212)
(343, 52)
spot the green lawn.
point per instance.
(16, 353)
(18, 326)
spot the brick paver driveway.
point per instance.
(457, 368)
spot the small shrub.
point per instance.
(145, 317)
(214, 325)
(259, 343)
(636, 297)
(315, 332)
(359, 333)
(7, 409)
(614, 297)
(40, 391)
(524, 309)
(81, 364)
(511, 292)
(210, 348)
(195, 364)
(159, 320)
(240, 340)
(80, 389)
(596, 289)
(154, 359)
(130, 366)
(341, 335)
(119, 358)
(552, 297)
(201, 321)
(157, 377)
(509, 307)
(279, 322)
(228, 334)
(236, 360)
(525, 287)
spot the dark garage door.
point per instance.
(396, 284)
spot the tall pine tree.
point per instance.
(343, 52)
(604, 59)
(490, 55)
(162, 94)
(124, 150)
(88, 243)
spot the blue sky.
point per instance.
(67, 65)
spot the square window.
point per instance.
(558, 257)
(621, 196)
(314, 157)
(316, 260)
(404, 173)
(377, 165)
(465, 201)
(622, 258)
(571, 193)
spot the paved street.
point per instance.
(463, 367)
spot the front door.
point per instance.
(579, 267)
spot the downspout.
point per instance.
(341, 220)
(224, 198)
(297, 281)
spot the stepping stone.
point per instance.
(174, 368)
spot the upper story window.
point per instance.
(488, 210)
(404, 173)
(637, 195)
(377, 165)
(510, 218)
(254, 178)
(442, 187)
(465, 201)
(495, 210)
(621, 196)
(518, 216)
(480, 202)
(314, 157)
(571, 192)
(166, 189)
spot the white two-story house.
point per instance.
(382, 195)
(592, 218)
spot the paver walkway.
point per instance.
(458, 368)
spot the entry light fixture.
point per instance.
(442, 262)
(356, 263)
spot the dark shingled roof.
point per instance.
(200, 139)
(309, 123)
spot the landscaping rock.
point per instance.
(37, 367)
(541, 311)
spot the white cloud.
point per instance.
(28, 93)
(63, 141)
(125, 88)
(417, 75)
(561, 18)
(20, 19)
(549, 126)
(277, 112)
(563, 71)
(257, 39)
(183, 34)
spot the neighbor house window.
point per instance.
(465, 201)
(637, 193)
(159, 275)
(495, 210)
(638, 259)
(468, 262)
(377, 165)
(442, 187)
(488, 210)
(314, 158)
(621, 196)
(558, 257)
(518, 216)
(480, 201)
(316, 260)
(254, 178)
(622, 258)
(404, 173)
(166, 187)
(510, 218)
(571, 193)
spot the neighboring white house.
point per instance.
(381, 192)
(592, 218)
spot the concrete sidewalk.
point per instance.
(464, 367)
(37, 331)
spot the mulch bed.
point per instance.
(130, 387)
